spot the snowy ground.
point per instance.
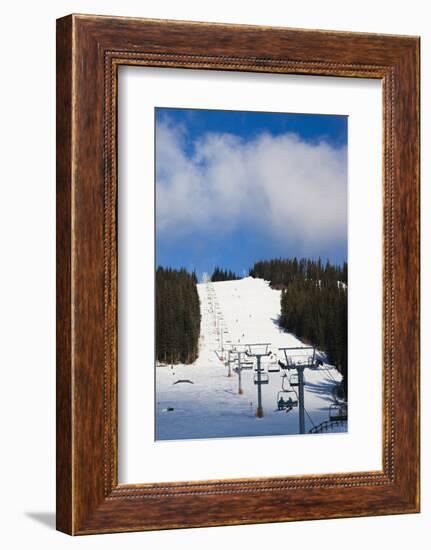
(200, 400)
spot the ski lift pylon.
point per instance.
(264, 378)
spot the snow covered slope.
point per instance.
(200, 400)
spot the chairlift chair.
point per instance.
(288, 365)
(338, 411)
(294, 380)
(247, 365)
(316, 363)
(311, 362)
(273, 367)
(283, 404)
(264, 378)
(262, 368)
(285, 384)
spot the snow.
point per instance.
(201, 401)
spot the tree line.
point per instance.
(178, 316)
(223, 275)
(313, 303)
(281, 272)
(313, 307)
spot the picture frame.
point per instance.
(89, 51)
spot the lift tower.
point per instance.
(239, 368)
(299, 363)
(229, 361)
(258, 351)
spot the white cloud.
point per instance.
(293, 190)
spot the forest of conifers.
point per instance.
(223, 275)
(178, 317)
(313, 307)
(313, 303)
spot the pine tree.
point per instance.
(223, 275)
(313, 303)
(177, 316)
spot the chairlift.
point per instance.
(264, 378)
(247, 365)
(289, 363)
(283, 404)
(285, 384)
(262, 368)
(338, 411)
(294, 380)
(257, 349)
(316, 363)
(273, 367)
(311, 361)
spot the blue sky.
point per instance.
(235, 187)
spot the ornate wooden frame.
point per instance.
(89, 51)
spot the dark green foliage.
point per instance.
(178, 316)
(223, 275)
(282, 272)
(313, 303)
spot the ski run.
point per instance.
(201, 401)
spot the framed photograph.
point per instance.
(237, 274)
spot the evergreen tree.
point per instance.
(177, 316)
(223, 275)
(313, 303)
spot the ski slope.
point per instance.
(200, 400)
